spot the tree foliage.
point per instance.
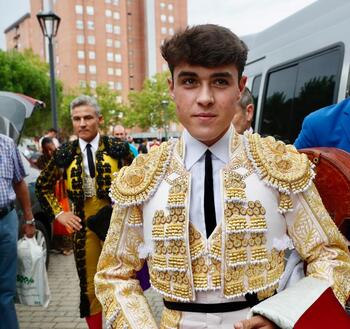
(26, 73)
(152, 106)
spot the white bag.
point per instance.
(32, 287)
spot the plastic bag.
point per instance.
(32, 286)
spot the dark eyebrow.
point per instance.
(221, 75)
(187, 74)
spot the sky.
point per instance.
(241, 16)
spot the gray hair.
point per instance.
(246, 98)
(85, 100)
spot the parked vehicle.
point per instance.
(299, 65)
(14, 109)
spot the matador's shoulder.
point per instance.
(114, 147)
(278, 164)
(65, 154)
(138, 182)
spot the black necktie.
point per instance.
(90, 161)
(209, 205)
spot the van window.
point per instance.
(295, 90)
(255, 93)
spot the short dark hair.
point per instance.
(46, 140)
(246, 98)
(207, 45)
(52, 130)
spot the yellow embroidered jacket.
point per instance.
(269, 204)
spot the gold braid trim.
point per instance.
(280, 166)
(137, 183)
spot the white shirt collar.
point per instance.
(93, 143)
(195, 149)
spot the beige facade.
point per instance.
(115, 42)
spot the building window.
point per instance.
(163, 18)
(91, 40)
(89, 10)
(91, 25)
(118, 58)
(116, 15)
(109, 28)
(79, 9)
(109, 43)
(108, 1)
(162, 5)
(92, 69)
(110, 57)
(111, 84)
(118, 72)
(116, 29)
(110, 71)
(108, 13)
(92, 55)
(93, 84)
(116, 2)
(118, 85)
(170, 6)
(79, 24)
(163, 30)
(171, 31)
(117, 44)
(171, 19)
(81, 54)
(81, 68)
(164, 67)
(82, 83)
(80, 39)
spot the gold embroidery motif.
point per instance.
(136, 184)
(170, 319)
(311, 230)
(135, 217)
(280, 166)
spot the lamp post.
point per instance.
(49, 23)
(165, 104)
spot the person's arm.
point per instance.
(323, 248)
(116, 286)
(306, 137)
(22, 194)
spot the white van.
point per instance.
(298, 66)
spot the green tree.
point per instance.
(26, 73)
(152, 106)
(107, 99)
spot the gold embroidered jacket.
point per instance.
(269, 203)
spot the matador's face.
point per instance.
(206, 99)
(86, 122)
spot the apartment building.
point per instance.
(115, 42)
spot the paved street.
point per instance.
(63, 309)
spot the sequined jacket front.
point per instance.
(269, 204)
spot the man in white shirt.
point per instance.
(214, 212)
(87, 165)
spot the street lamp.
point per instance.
(49, 23)
(165, 104)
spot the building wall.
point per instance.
(103, 41)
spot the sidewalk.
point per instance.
(63, 311)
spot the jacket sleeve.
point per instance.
(116, 286)
(45, 189)
(326, 254)
(306, 137)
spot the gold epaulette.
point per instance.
(280, 166)
(137, 183)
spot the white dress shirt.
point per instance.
(195, 164)
(94, 146)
